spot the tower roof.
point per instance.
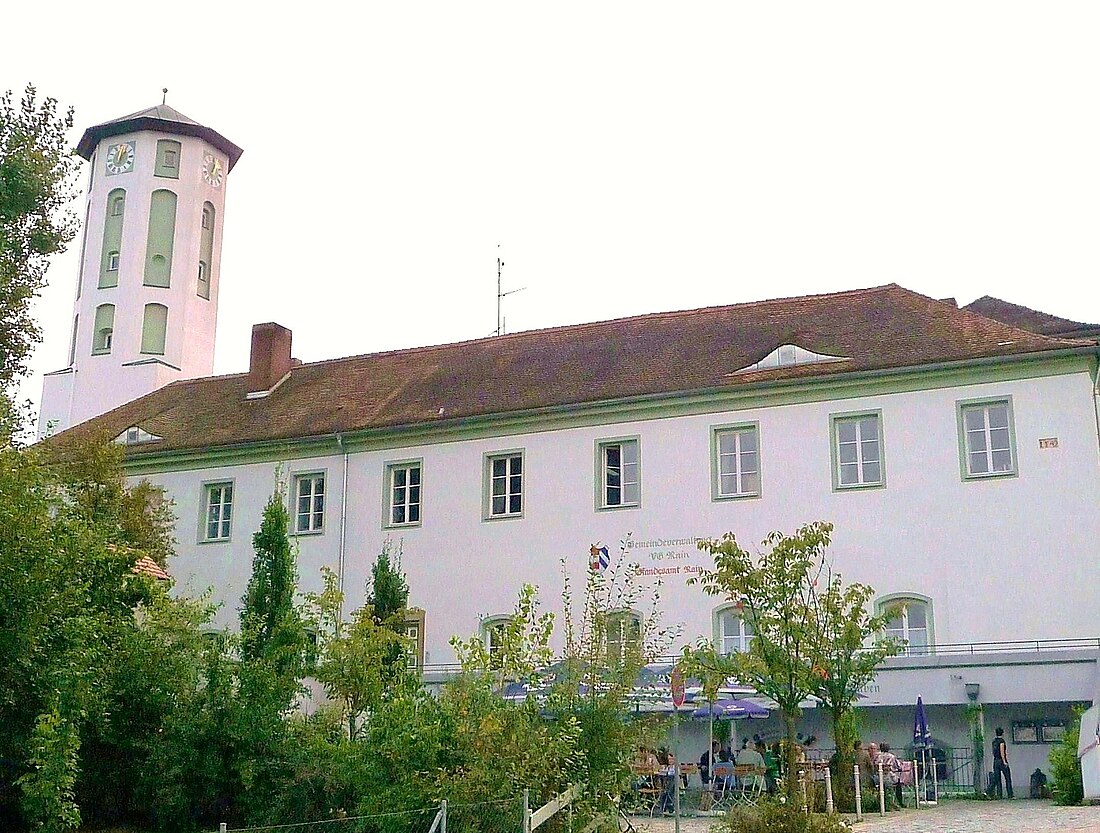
(163, 119)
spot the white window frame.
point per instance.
(738, 642)
(414, 633)
(983, 406)
(225, 525)
(616, 635)
(885, 603)
(490, 482)
(315, 517)
(604, 473)
(739, 472)
(836, 421)
(490, 627)
(388, 493)
(112, 261)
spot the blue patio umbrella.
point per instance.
(922, 737)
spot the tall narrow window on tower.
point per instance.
(168, 159)
(72, 344)
(104, 331)
(206, 249)
(154, 329)
(162, 233)
(112, 238)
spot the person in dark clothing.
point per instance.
(705, 761)
(1000, 764)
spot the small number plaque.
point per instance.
(1048, 442)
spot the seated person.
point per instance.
(705, 761)
(751, 756)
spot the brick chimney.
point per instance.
(270, 360)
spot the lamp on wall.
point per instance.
(972, 690)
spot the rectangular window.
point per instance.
(309, 496)
(619, 473)
(505, 485)
(857, 451)
(414, 634)
(168, 154)
(987, 438)
(218, 513)
(736, 461)
(403, 494)
(112, 262)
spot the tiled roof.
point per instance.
(649, 355)
(147, 566)
(1032, 320)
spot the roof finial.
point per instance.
(164, 98)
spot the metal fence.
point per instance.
(512, 815)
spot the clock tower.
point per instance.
(147, 293)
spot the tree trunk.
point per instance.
(794, 793)
(844, 736)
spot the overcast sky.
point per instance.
(627, 158)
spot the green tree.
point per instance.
(774, 593)
(1065, 767)
(387, 591)
(37, 175)
(523, 652)
(271, 627)
(845, 649)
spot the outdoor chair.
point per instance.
(648, 789)
(750, 783)
(721, 786)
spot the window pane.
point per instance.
(728, 484)
(630, 492)
(611, 453)
(870, 450)
(614, 496)
(630, 453)
(630, 473)
(748, 441)
(748, 462)
(998, 416)
(398, 513)
(872, 472)
(847, 453)
(750, 483)
(868, 428)
(974, 419)
(319, 507)
(414, 494)
(998, 439)
(1002, 461)
(498, 505)
(499, 467)
(514, 504)
(303, 504)
(399, 476)
(917, 615)
(517, 465)
(727, 442)
(515, 485)
(414, 513)
(498, 486)
(613, 478)
(849, 474)
(846, 431)
(414, 475)
(978, 463)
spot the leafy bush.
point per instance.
(1065, 768)
(772, 817)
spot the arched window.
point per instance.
(624, 634)
(733, 632)
(112, 238)
(492, 632)
(161, 239)
(104, 331)
(206, 249)
(910, 619)
(154, 328)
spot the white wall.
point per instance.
(1011, 558)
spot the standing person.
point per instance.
(891, 772)
(1000, 764)
(706, 762)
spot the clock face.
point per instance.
(213, 171)
(120, 158)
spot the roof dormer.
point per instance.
(789, 355)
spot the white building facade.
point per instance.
(958, 458)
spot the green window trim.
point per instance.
(168, 159)
(836, 422)
(154, 329)
(982, 404)
(114, 215)
(104, 329)
(501, 484)
(160, 241)
(206, 250)
(307, 511)
(214, 506)
(716, 432)
(608, 471)
(411, 493)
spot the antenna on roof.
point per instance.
(164, 97)
(501, 295)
